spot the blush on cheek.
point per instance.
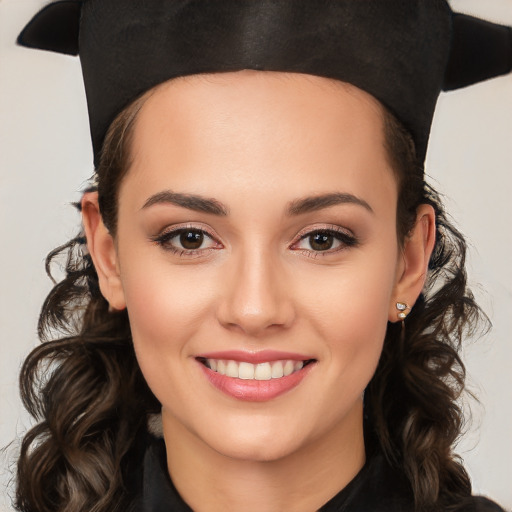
(161, 303)
(345, 307)
(166, 316)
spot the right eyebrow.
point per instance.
(190, 201)
(319, 202)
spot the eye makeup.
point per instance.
(187, 240)
(192, 240)
(324, 240)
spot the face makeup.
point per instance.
(257, 252)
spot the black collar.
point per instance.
(376, 488)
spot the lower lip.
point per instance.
(255, 390)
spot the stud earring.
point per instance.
(403, 310)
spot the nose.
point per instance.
(256, 298)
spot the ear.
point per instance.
(415, 256)
(103, 252)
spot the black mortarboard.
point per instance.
(403, 52)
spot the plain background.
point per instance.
(45, 160)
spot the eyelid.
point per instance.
(305, 232)
(183, 226)
(163, 237)
(345, 236)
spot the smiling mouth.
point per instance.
(249, 371)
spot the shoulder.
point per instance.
(377, 488)
(479, 504)
(153, 490)
(381, 488)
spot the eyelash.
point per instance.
(164, 241)
(345, 239)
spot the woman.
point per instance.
(265, 264)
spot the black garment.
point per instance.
(376, 488)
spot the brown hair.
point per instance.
(84, 386)
(412, 400)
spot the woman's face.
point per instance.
(256, 234)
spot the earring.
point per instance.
(403, 310)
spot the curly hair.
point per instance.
(85, 389)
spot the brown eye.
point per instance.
(321, 241)
(191, 239)
(187, 241)
(325, 240)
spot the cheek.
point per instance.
(349, 311)
(354, 296)
(167, 308)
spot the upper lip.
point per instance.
(260, 356)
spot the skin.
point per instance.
(257, 142)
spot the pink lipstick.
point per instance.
(255, 376)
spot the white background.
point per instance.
(45, 160)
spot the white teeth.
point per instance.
(221, 366)
(246, 371)
(232, 369)
(263, 371)
(249, 371)
(277, 370)
(288, 368)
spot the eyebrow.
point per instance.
(189, 201)
(314, 203)
(214, 207)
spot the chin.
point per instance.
(251, 437)
(261, 449)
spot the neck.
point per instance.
(302, 481)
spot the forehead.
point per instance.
(261, 129)
(240, 89)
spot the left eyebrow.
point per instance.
(189, 201)
(315, 203)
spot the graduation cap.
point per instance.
(403, 52)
